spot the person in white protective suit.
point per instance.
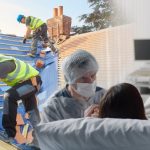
(79, 69)
(80, 92)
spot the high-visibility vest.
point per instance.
(35, 23)
(22, 72)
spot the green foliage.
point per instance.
(104, 14)
(100, 18)
(80, 30)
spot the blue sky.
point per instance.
(9, 9)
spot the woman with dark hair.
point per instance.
(120, 101)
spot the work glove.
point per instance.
(24, 41)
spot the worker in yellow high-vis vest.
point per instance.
(24, 82)
(39, 29)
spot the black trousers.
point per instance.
(24, 91)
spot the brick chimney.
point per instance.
(59, 26)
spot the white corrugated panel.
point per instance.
(113, 49)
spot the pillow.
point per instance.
(94, 134)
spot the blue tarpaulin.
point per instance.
(13, 46)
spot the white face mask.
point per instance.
(86, 89)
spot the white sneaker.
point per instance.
(46, 49)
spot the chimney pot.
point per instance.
(60, 10)
(55, 12)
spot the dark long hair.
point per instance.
(122, 101)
